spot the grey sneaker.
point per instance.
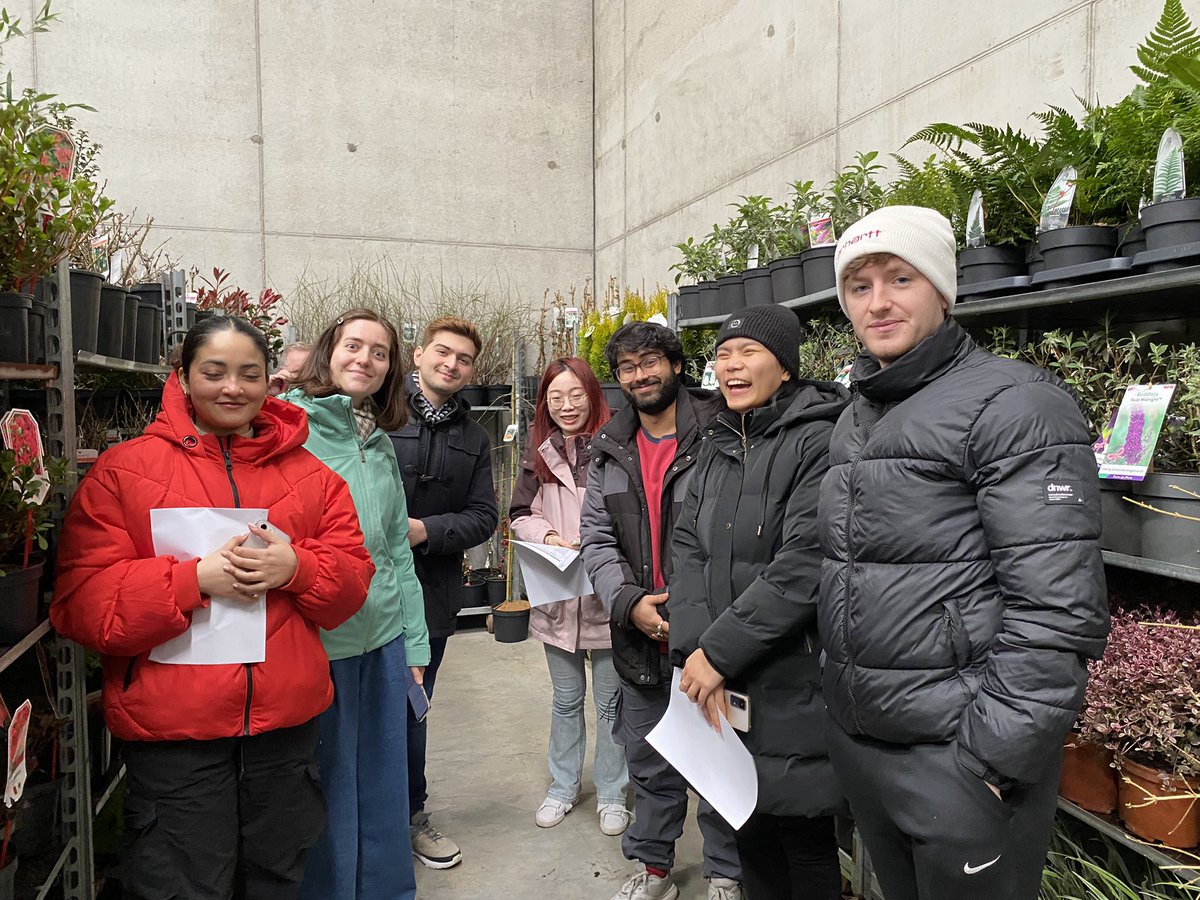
(551, 812)
(644, 886)
(430, 847)
(724, 889)
(614, 818)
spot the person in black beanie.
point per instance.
(743, 605)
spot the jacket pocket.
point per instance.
(956, 631)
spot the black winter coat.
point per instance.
(447, 474)
(747, 569)
(963, 589)
(615, 526)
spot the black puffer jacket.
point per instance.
(447, 473)
(963, 588)
(615, 526)
(747, 568)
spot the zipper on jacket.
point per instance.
(249, 697)
(129, 673)
(850, 572)
(225, 445)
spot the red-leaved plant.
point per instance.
(1143, 696)
(228, 300)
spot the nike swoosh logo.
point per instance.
(971, 870)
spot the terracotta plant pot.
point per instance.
(1088, 777)
(1159, 807)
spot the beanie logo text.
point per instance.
(873, 233)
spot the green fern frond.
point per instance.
(1173, 37)
(1168, 180)
(907, 169)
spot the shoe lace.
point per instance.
(636, 880)
(426, 828)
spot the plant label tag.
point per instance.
(20, 433)
(708, 380)
(510, 433)
(975, 222)
(1169, 182)
(1057, 491)
(752, 257)
(1056, 208)
(18, 731)
(1130, 447)
(820, 231)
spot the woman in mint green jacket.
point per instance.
(352, 388)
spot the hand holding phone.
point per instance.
(418, 700)
(737, 710)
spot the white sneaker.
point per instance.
(724, 889)
(644, 886)
(551, 812)
(614, 819)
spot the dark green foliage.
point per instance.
(1174, 38)
(939, 184)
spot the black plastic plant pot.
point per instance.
(474, 593)
(614, 396)
(710, 300)
(14, 326)
(1165, 537)
(474, 394)
(1033, 258)
(499, 394)
(511, 626)
(1131, 240)
(1076, 245)
(149, 331)
(19, 611)
(756, 285)
(129, 334)
(989, 263)
(44, 293)
(85, 308)
(190, 312)
(110, 334)
(787, 278)
(733, 293)
(818, 269)
(1171, 223)
(689, 301)
(496, 586)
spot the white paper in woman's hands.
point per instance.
(551, 573)
(230, 630)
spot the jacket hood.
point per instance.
(278, 427)
(805, 400)
(926, 362)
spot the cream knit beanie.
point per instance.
(921, 237)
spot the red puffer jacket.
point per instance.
(114, 595)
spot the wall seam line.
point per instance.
(262, 163)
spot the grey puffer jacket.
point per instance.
(963, 588)
(747, 567)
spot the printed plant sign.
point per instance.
(1056, 208)
(20, 433)
(1130, 447)
(63, 153)
(1169, 181)
(975, 223)
(18, 730)
(820, 231)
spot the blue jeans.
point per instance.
(365, 852)
(568, 731)
(418, 732)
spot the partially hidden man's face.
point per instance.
(893, 307)
(652, 383)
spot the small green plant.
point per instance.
(791, 219)
(827, 346)
(22, 521)
(700, 260)
(937, 184)
(1171, 49)
(755, 224)
(1085, 865)
(855, 191)
(699, 346)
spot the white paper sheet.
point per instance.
(229, 630)
(718, 766)
(551, 573)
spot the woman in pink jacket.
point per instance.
(545, 509)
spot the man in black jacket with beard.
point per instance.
(641, 462)
(963, 588)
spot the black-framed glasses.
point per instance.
(648, 364)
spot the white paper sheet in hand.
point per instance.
(229, 630)
(718, 766)
(551, 573)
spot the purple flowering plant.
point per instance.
(1143, 696)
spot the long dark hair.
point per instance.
(543, 426)
(315, 379)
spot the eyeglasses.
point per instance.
(557, 401)
(648, 364)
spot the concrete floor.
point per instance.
(487, 773)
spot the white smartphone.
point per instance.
(737, 709)
(258, 543)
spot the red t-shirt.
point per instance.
(656, 455)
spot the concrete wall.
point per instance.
(701, 101)
(266, 136)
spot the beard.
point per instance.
(659, 401)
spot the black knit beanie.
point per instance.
(775, 327)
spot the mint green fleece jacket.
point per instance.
(395, 605)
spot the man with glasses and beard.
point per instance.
(641, 463)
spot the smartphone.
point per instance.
(418, 700)
(258, 543)
(737, 710)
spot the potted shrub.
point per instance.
(699, 264)
(791, 240)
(853, 192)
(220, 297)
(752, 235)
(732, 293)
(600, 325)
(24, 527)
(1143, 701)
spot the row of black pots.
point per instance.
(105, 319)
(784, 279)
(486, 394)
(483, 587)
(1136, 531)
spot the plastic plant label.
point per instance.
(708, 380)
(18, 731)
(1130, 447)
(820, 231)
(1056, 208)
(510, 433)
(975, 222)
(1169, 180)
(752, 257)
(62, 154)
(20, 433)
(571, 317)
(408, 331)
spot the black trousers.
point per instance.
(222, 819)
(934, 829)
(789, 858)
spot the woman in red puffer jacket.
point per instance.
(220, 758)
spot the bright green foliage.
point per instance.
(699, 346)
(1174, 37)
(700, 260)
(937, 184)
(855, 191)
(599, 326)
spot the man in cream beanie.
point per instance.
(963, 585)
